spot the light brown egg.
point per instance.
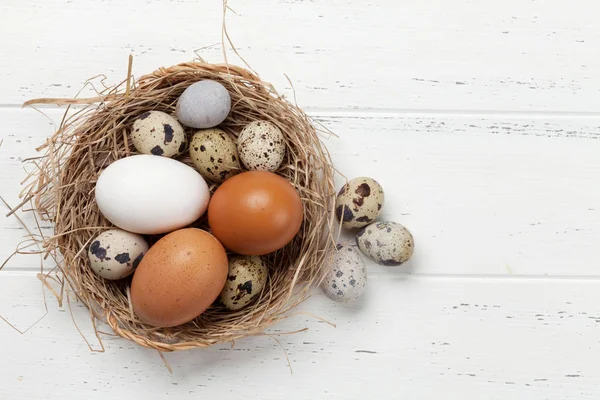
(179, 277)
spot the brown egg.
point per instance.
(179, 277)
(255, 213)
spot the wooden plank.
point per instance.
(412, 338)
(512, 55)
(483, 194)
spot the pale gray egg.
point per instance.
(246, 279)
(261, 146)
(158, 133)
(386, 243)
(214, 154)
(347, 277)
(115, 253)
(204, 104)
(359, 202)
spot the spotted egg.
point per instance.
(359, 202)
(386, 243)
(246, 279)
(345, 281)
(158, 133)
(261, 146)
(214, 154)
(114, 254)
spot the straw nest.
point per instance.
(90, 138)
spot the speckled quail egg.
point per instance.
(359, 202)
(261, 146)
(386, 243)
(347, 278)
(115, 253)
(214, 154)
(246, 278)
(158, 133)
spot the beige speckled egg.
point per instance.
(346, 279)
(246, 279)
(386, 243)
(115, 253)
(214, 154)
(359, 202)
(261, 146)
(158, 133)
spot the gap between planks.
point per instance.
(391, 112)
(31, 271)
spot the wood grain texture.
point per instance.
(412, 338)
(519, 55)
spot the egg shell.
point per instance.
(114, 254)
(150, 195)
(179, 278)
(255, 213)
(386, 243)
(346, 279)
(204, 104)
(261, 146)
(246, 279)
(359, 202)
(159, 134)
(214, 154)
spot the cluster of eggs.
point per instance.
(358, 204)
(252, 213)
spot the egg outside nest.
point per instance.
(346, 279)
(387, 243)
(359, 202)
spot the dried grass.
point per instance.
(90, 138)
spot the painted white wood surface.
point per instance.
(479, 117)
(415, 338)
(518, 55)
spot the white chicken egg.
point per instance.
(149, 195)
(114, 254)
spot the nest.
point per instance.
(62, 191)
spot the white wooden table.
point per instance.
(480, 118)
